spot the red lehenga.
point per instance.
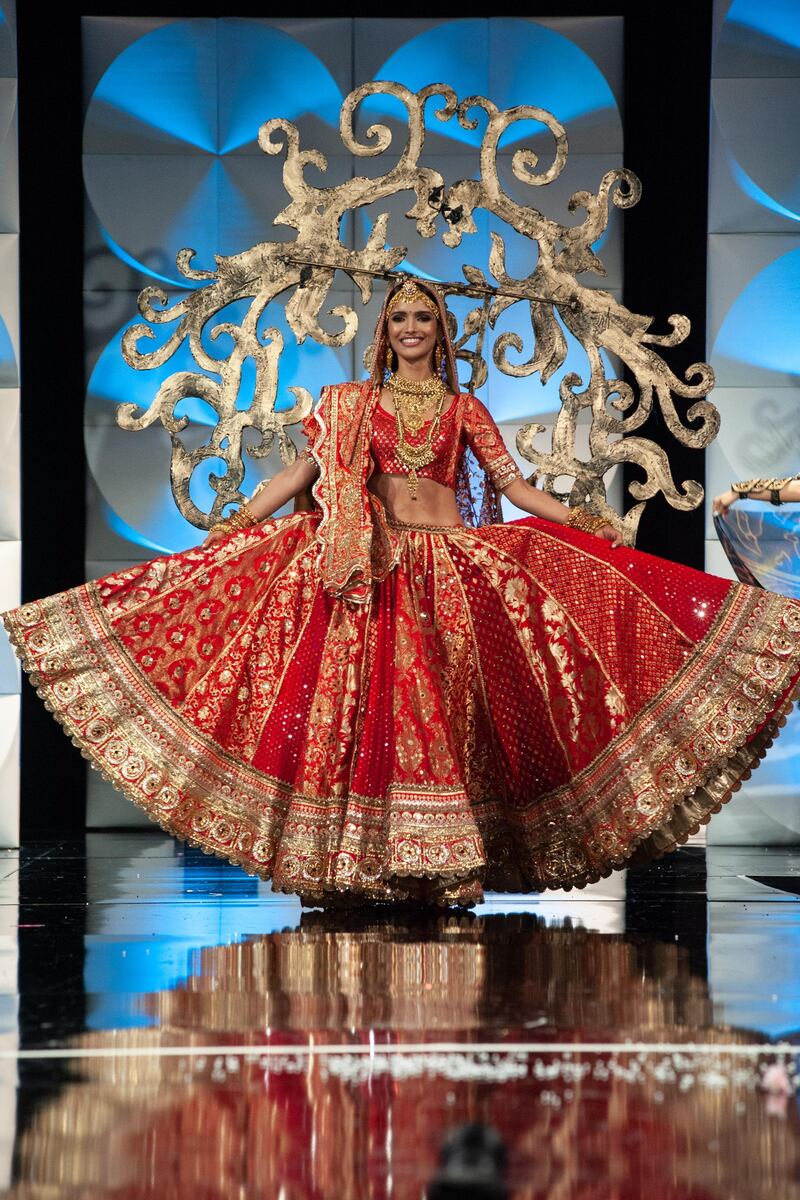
(350, 706)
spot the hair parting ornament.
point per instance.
(411, 293)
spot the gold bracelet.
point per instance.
(235, 522)
(585, 521)
(761, 485)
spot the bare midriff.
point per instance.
(434, 505)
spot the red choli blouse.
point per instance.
(465, 423)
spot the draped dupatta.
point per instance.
(355, 542)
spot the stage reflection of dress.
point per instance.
(354, 707)
(592, 1117)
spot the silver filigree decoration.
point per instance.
(551, 299)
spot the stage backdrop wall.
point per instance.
(171, 160)
(9, 566)
(754, 319)
(9, 425)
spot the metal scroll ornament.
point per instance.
(547, 301)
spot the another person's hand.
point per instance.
(722, 503)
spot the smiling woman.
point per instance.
(394, 696)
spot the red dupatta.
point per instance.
(356, 545)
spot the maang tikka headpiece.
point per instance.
(410, 293)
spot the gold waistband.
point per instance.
(414, 527)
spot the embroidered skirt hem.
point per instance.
(518, 707)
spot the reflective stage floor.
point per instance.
(171, 1029)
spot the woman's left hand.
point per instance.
(213, 535)
(610, 534)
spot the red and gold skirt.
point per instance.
(518, 706)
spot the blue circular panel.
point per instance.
(167, 106)
(760, 328)
(511, 60)
(9, 376)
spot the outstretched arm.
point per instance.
(789, 493)
(282, 488)
(487, 445)
(540, 504)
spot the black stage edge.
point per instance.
(666, 123)
(53, 908)
(672, 894)
(53, 472)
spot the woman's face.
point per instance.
(411, 329)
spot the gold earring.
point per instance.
(388, 358)
(437, 358)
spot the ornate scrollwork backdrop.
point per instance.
(551, 295)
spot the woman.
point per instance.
(376, 700)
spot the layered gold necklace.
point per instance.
(412, 399)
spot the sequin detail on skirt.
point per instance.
(518, 706)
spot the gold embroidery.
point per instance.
(677, 760)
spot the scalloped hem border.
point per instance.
(391, 891)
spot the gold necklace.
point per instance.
(412, 397)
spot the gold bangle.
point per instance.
(585, 521)
(761, 485)
(235, 522)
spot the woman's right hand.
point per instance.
(212, 537)
(722, 503)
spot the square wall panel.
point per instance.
(377, 39)
(8, 39)
(106, 808)
(9, 464)
(764, 45)
(756, 120)
(329, 38)
(570, 67)
(103, 39)
(152, 206)
(717, 561)
(9, 770)
(736, 203)
(602, 39)
(279, 75)
(158, 94)
(108, 270)
(10, 574)
(9, 310)
(754, 309)
(130, 511)
(9, 166)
